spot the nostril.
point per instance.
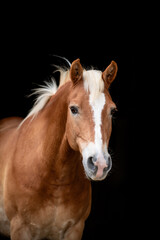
(90, 159)
(106, 168)
(109, 162)
(90, 163)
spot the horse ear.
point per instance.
(110, 73)
(76, 71)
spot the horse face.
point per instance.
(89, 121)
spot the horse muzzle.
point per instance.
(97, 166)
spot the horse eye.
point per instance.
(113, 111)
(74, 110)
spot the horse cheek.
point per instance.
(71, 131)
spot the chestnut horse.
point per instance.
(48, 159)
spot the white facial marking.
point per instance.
(96, 152)
(94, 84)
(97, 107)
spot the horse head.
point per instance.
(89, 117)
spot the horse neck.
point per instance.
(60, 163)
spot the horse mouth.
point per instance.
(92, 176)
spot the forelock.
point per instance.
(93, 82)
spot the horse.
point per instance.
(49, 158)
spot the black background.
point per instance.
(26, 61)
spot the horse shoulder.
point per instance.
(8, 128)
(8, 133)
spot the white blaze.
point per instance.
(97, 105)
(94, 84)
(95, 148)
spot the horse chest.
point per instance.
(4, 222)
(55, 222)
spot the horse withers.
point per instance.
(48, 159)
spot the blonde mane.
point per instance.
(93, 83)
